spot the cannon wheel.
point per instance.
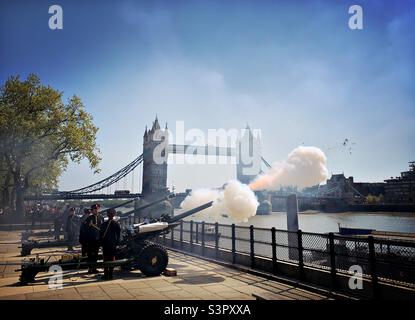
(152, 260)
(27, 276)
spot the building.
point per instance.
(248, 165)
(338, 186)
(401, 189)
(155, 142)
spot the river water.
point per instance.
(321, 222)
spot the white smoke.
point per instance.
(305, 167)
(237, 200)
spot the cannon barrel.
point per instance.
(190, 212)
(118, 205)
(126, 214)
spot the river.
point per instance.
(321, 222)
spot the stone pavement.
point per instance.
(196, 279)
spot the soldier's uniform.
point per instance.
(93, 224)
(110, 236)
(71, 229)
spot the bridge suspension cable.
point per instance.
(107, 182)
(266, 163)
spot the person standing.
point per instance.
(83, 239)
(110, 236)
(71, 228)
(93, 225)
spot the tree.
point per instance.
(39, 135)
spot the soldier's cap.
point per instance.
(94, 206)
(111, 211)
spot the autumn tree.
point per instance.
(39, 136)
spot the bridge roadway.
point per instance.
(196, 279)
(75, 196)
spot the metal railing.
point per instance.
(381, 260)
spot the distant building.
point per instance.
(369, 188)
(338, 186)
(401, 189)
(154, 173)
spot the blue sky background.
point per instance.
(292, 69)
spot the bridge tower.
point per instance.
(248, 166)
(248, 156)
(155, 171)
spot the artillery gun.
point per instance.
(28, 245)
(135, 250)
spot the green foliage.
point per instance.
(371, 199)
(40, 134)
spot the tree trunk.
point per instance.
(19, 191)
(5, 192)
(20, 200)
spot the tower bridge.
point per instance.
(154, 177)
(154, 173)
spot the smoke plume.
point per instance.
(236, 200)
(305, 167)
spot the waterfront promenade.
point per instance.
(196, 279)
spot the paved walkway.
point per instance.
(196, 279)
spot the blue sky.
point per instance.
(294, 70)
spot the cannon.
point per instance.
(28, 245)
(135, 250)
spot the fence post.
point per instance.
(197, 232)
(300, 254)
(203, 238)
(181, 234)
(251, 242)
(373, 273)
(191, 235)
(172, 237)
(164, 238)
(233, 243)
(217, 240)
(274, 250)
(332, 260)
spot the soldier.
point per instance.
(93, 224)
(57, 223)
(110, 235)
(83, 240)
(71, 228)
